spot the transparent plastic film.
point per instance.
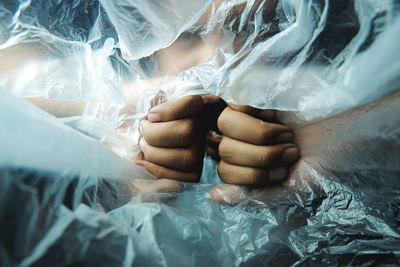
(79, 78)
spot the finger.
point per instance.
(246, 128)
(263, 114)
(176, 109)
(167, 173)
(213, 106)
(178, 133)
(239, 175)
(233, 195)
(156, 186)
(211, 99)
(182, 159)
(245, 154)
(139, 156)
(228, 194)
(245, 109)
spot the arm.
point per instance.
(364, 138)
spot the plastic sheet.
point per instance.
(331, 68)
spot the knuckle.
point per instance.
(223, 148)
(195, 103)
(148, 154)
(256, 177)
(222, 172)
(195, 100)
(142, 145)
(190, 99)
(223, 119)
(186, 132)
(190, 159)
(264, 133)
(143, 126)
(264, 157)
(245, 109)
(252, 178)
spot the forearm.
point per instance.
(12, 60)
(58, 108)
(331, 142)
(15, 57)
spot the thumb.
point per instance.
(263, 114)
(176, 109)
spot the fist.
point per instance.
(254, 150)
(173, 140)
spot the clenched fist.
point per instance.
(254, 150)
(173, 139)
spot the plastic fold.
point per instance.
(70, 194)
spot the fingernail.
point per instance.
(277, 174)
(141, 144)
(290, 154)
(285, 137)
(154, 117)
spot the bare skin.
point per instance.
(317, 155)
(172, 143)
(177, 134)
(253, 151)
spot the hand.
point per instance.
(252, 150)
(173, 140)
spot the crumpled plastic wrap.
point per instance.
(331, 68)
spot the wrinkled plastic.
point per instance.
(331, 68)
